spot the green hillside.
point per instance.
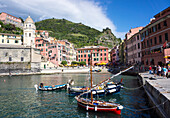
(76, 33)
(10, 28)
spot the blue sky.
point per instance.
(118, 15)
(127, 14)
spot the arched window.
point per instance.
(29, 34)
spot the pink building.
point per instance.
(114, 55)
(132, 32)
(99, 54)
(7, 18)
(133, 48)
(42, 45)
(53, 52)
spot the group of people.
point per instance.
(158, 70)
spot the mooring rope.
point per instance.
(133, 88)
(137, 110)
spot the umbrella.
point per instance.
(103, 63)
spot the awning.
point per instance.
(167, 57)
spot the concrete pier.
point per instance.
(158, 92)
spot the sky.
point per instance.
(119, 15)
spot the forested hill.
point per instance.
(77, 33)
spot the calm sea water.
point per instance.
(18, 97)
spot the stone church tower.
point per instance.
(29, 32)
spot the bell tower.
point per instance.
(29, 32)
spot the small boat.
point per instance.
(53, 87)
(108, 88)
(96, 105)
(100, 106)
(77, 90)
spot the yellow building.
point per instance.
(11, 39)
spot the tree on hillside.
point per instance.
(21, 19)
(2, 24)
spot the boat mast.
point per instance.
(91, 76)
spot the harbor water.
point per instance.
(18, 97)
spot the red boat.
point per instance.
(100, 106)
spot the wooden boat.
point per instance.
(108, 88)
(96, 105)
(100, 106)
(53, 87)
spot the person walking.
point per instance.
(159, 70)
(154, 70)
(164, 71)
(150, 69)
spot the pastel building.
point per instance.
(134, 49)
(42, 45)
(156, 39)
(114, 54)
(130, 44)
(7, 18)
(66, 51)
(11, 39)
(53, 52)
(99, 54)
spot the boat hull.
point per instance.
(49, 88)
(99, 109)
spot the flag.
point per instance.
(164, 45)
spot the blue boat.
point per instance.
(51, 88)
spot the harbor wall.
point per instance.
(157, 92)
(157, 98)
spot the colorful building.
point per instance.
(11, 39)
(99, 54)
(134, 49)
(7, 18)
(66, 51)
(114, 54)
(129, 47)
(155, 38)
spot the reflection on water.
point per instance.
(19, 98)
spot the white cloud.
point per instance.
(88, 12)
